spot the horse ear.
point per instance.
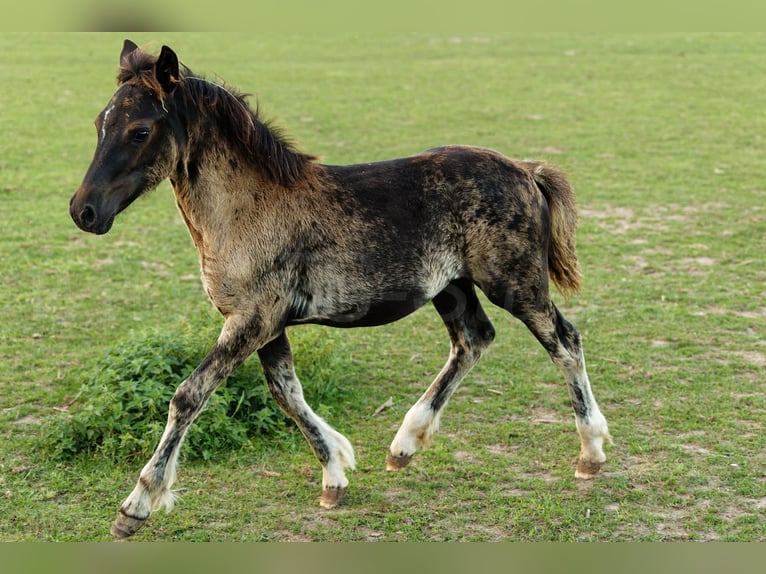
(166, 69)
(127, 48)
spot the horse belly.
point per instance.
(369, 313)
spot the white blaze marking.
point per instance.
(103, 124)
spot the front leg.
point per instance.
(238, 339)
(333, 450)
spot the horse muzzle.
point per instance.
(87, 217)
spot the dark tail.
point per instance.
(563, 267)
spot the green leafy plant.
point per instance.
(121, 411)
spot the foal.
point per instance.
(283, 240)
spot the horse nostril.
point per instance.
(88, 216)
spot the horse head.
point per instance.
(137, 145)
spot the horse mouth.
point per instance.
(88, 220)
(103, 227)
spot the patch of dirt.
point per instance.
(398, 495)
(464, 456)
(545, 476)
(696, 266)
(695, 449)
(286, 536)
(612, 219)
(745, 507)
(638, 264)
(660, 218)
(487, 532)
(518, 493)
(546, 416)
(754, 357)
(502, 449)
(27, 420)
(672, 526)
(758, 314)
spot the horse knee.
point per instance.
(184, 403)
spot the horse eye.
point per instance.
(141, 135)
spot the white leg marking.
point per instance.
(417, 429)
(341, 453)
(341, 456)
(593, 430)
(141, 502)
(593, 433)
(592, 427)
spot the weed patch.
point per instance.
(122, 409)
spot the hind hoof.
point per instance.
(126, 526)
(587, 470)
(331, 496)
(397, 462)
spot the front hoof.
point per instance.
(587, 470)
(126, 526)
(331, 496)
(397, 462)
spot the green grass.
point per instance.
(663, 137)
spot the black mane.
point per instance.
(266, 145)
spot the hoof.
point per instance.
(587, 469)
(397, 462)
(331, 496)
(126, 526)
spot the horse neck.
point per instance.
(219, 181)
(212, 185)
(210, 182)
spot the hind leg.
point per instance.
(567, 353)
(563, 343)
(333, 450)
(470, 333)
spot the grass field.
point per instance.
(663, 137)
